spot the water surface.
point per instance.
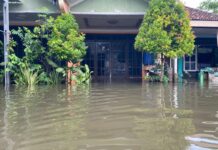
(110, 116)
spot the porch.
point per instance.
(113, 57)
(205, 54)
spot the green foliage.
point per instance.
(155, 78)
(1, 54)
(1, 76)
(66, 43)
(55, 78)
(32, 43)
(24, 73)
(47, 48)
(24, 70)
(27, 77)
(165, 30)
(34, 51)
(165, 79)
(82, 74)
(1, 51)
(58, 69)
(209, 5)
(1, 62)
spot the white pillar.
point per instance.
(6, 39)
(175, 68)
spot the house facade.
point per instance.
(111, 26)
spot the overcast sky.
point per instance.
(192, 3)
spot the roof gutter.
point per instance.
(209, 24)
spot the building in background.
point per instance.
(111, 27)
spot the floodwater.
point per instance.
(110, 116)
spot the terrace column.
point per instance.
(6, 39)
(175, 68)
(180, 69)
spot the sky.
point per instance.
(192, 3)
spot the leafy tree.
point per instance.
(66, 42)
(1, 51)
(165, 30)
(1, 60)
(209, 5)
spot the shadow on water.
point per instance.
(111, 116)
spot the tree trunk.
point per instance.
(70, 73)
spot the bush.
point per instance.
(81, 74)
(27, 77)
(47, 49)
(1, 62)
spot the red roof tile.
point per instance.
(196, 14)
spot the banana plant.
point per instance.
(81, 74)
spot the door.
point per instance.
(108, 60)
(118, 60)
(103, 60)
(111, 60)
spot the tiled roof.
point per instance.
(196, 14)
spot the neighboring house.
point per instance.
(205, 27)
(111, 27)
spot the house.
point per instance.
(111, 27)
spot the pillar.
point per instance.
(6, 39)
(175, 69)
(180, 69)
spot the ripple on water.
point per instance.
(108, 116)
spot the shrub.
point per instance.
(47, 48)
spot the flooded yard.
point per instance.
(110, 116)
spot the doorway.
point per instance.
(113, 60)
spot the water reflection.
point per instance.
(165, 126)
(39, 118)
(113, 116)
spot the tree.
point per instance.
(66, 42)
(209, 5)
(1, 51)
(1, 60)
(165, 30)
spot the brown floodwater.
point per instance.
(110, 116)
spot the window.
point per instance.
(191, 62)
